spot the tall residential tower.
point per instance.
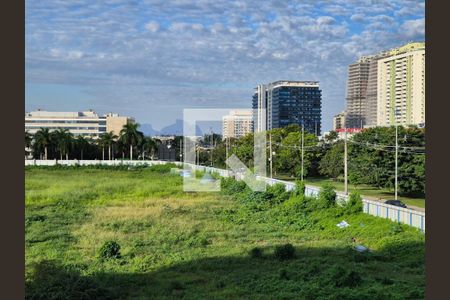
(401, 86)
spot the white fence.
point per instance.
(398, 214)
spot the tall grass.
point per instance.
(196, 245)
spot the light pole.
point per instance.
(303, 137)
(345, 164)
(270, 155)
(396, 159)
(226, 151)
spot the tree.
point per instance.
(332, 163)
(43, 140)
(82, 144)
(372, 158)
(148, 145)
(108, 139)
(63, 139)
(131, 136)
(288, 153)
(331, 137)
(28, 141)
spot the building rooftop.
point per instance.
(294, 83)
(412, 46)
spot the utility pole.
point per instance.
(212, 145)
(345, 163)
(303, 137)
(226, 152)
(396, 159)
(181, 147)
(270, 155)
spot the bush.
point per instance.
(345, 278)
(110, 249)
(299, 189)
(256, 252)
(354, 204)
(327, 196)
(283, 274)
(278, 193)
(230, 186)
(285, 252)
(163, 169)
(256, 201)
(49, 280)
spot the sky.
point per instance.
(150, 59)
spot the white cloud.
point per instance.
(152, 26)
(414, 28)
(201, 48)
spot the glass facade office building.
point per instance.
(281, 103)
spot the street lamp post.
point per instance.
(303, 137)
(270, 155)
(396, 160)
(345, 164)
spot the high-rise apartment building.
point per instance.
(401, 86)
(237, 124)
(339, 121)
(86, 123)
(282, 103)
(361, 100)
(358, 75)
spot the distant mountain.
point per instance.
(148, 130)
(173, 129)
(177, 129)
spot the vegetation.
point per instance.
(130, 135)
(60, 143)
(196, 245)
(370, 153)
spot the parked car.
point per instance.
(396, 203)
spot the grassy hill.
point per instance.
(203, 245)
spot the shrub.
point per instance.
(327, 196)
(354, 204)
(396, 228)
(110, 249)
(278, 193)
(49, 280)
(230, 186)
(285, 252)
(256, 252)
(299, 189)
(345, 278)
(162, 168)
(256, 201)
(283, 274)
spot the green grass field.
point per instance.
(196, 245)
(369, 192)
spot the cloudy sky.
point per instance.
(152, 58)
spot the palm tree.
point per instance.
(43, 140)
(63, 138)
(82, 143)
(28, 141)
(148, 144)
(131, 136)
(108, 139)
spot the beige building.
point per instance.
(339, 121)
(86, 123)
(237, 124)
(401, 86)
